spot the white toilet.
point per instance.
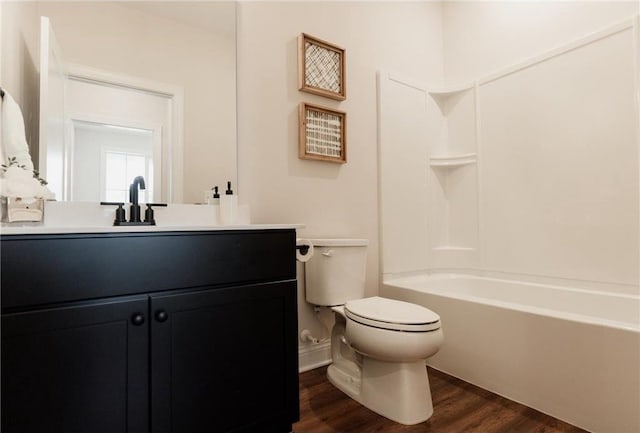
(378, 345)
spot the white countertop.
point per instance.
(83, 217)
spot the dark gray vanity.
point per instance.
(163, 331)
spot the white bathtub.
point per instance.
(573, 354)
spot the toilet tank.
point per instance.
(336, 272)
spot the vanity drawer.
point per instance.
(45, 269)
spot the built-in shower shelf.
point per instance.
(444, 96)
(453, 248)
(453, 160)
(446, 92)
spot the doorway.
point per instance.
(117, 132)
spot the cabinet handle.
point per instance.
(137, 319)
(161, 315)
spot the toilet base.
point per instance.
(396, 390)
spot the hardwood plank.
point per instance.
(459, 407)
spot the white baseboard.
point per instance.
(313, 356)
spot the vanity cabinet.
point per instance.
(75, 368)
(153, 331)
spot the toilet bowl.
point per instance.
(391, 330)
(381, 363)
(378, 345)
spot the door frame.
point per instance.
(158, 151)
(172, 152)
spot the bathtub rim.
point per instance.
(402, 281)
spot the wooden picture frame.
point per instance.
(321, 68)
(322, 134)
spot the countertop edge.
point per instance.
(29, 230)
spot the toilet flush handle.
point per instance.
(328, 253)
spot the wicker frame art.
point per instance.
(321, 68)
(322, 134)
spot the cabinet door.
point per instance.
(79, 368)
(225, 360)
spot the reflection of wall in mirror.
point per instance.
(150, 47)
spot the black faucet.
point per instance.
(134, 210)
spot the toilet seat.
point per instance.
(392, 315)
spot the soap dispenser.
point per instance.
(215, 199)
(228, 206)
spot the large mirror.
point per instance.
(149, 88)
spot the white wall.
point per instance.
(481, 37)
(403, 131)
(331, 200)
(559, 167)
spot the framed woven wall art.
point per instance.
(322, 134)
(321, 68)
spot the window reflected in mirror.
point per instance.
(107, 157)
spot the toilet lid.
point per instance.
(391, 314)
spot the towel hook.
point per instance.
(1, 93)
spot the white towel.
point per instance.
(14, 142)
(16, 181)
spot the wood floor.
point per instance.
(459, 407)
